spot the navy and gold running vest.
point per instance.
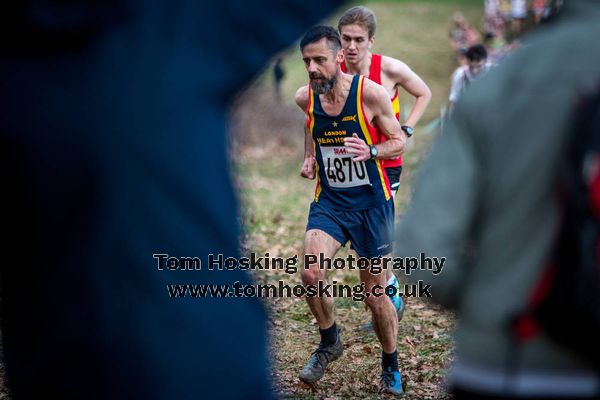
(342, 183)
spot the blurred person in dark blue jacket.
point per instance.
(113, 149)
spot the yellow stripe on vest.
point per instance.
(311, 125)
(365, 130)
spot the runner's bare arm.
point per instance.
(402, 75)
(378, 110)
(308, 165)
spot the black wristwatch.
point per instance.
(373, 151)
(408, 130)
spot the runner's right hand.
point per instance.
(308, 168)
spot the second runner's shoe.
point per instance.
(391, 382)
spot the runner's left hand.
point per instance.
(358, 147)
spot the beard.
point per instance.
(324, 86)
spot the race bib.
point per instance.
(340, 170)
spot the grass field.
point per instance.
(268, 150)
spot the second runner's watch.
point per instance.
(408, 130)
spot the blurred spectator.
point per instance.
(495, 45)
(462, 36)
(538, 10)
(498, 48)
(491, 16)
(552, 9)
(518, 13)
(486, 200)
(278, 75)
(462, 78)
(472, 36)
(458, 27)
(505, 10)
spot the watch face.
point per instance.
(408, 130)
(373, 151)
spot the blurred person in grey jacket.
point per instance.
(485, 200)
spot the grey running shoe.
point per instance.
(319, 360)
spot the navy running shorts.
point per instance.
(369, 231)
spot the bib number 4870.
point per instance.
(341, 171)
(344, 169)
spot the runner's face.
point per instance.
(355, 42)
(322, 65)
